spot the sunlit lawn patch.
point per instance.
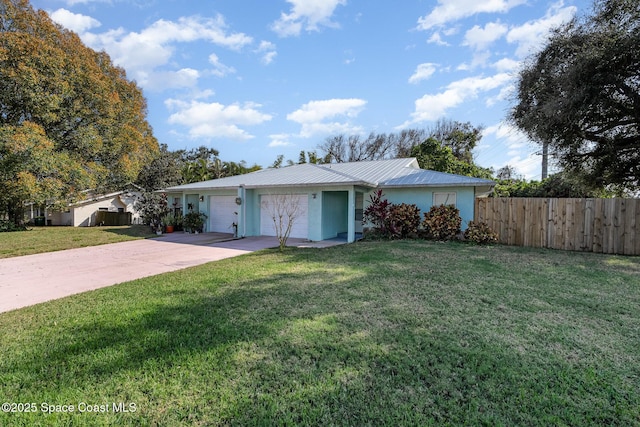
(374, 333)
(48, 239)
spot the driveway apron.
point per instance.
(33, 279)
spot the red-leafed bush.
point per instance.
(404, 219)
(481, 233)
(442, 222)
(391, 221)
(377, 214)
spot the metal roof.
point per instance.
(429, 178)
(385, 173)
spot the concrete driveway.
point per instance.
(33, 279)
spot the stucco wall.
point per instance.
(328, 211)
(193, 201)
(423, 198)
(334, 213)
(84, 215)
(60, 218)
(171, 199)
(129, 200)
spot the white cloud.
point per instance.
(533, 34)
(307, 14)
(214, 120)
(507, 65)
(481, 38)
(314, 116)
(509, 134)
(75, 22)
(505, 94)
(434, 106)
(452, 10)
(141, 53)
(268, 51)
(530, 166)
(516, 147)
(437, 39)
(315, 111)
(423, 72)
(219, 69)
(74, 2)
(204, 94)
(280, 140)
(479, 59)
(163, 80)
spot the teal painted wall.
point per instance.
(423, 198)
(314, 206)
(334, 213)
(328, 212)
(249, 211)
(315, 214)
(246, 217)
(194, 200)
(321, 225)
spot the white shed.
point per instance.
(83, 213)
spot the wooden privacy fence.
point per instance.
(609, 226)
(113, 218)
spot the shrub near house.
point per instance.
(442, 223)
(401, 221)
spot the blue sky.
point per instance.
(255, 79)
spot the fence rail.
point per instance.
(609, 226)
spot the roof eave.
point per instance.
(187, 189)
(262, 186)
(100, 198)
(468, 184)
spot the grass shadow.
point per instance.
(135, 231)
(374, 333)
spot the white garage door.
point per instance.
(222, 213)
(300, 224)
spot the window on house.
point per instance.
(120, 210)
(444, 199)
(104, 209)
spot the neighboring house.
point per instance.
(331, 197)
(83, 213)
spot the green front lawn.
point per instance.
(48, 239)
(374, 333)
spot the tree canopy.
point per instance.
(69, 119)
(163, 171)
(432, 155)
(170, 168)
(557, 185)
(446, 147)
(581, 95)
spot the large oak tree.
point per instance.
(581, 95)
(69, 118)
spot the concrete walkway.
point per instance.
(33, 279)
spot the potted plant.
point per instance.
(169, 221)
(194, 221)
